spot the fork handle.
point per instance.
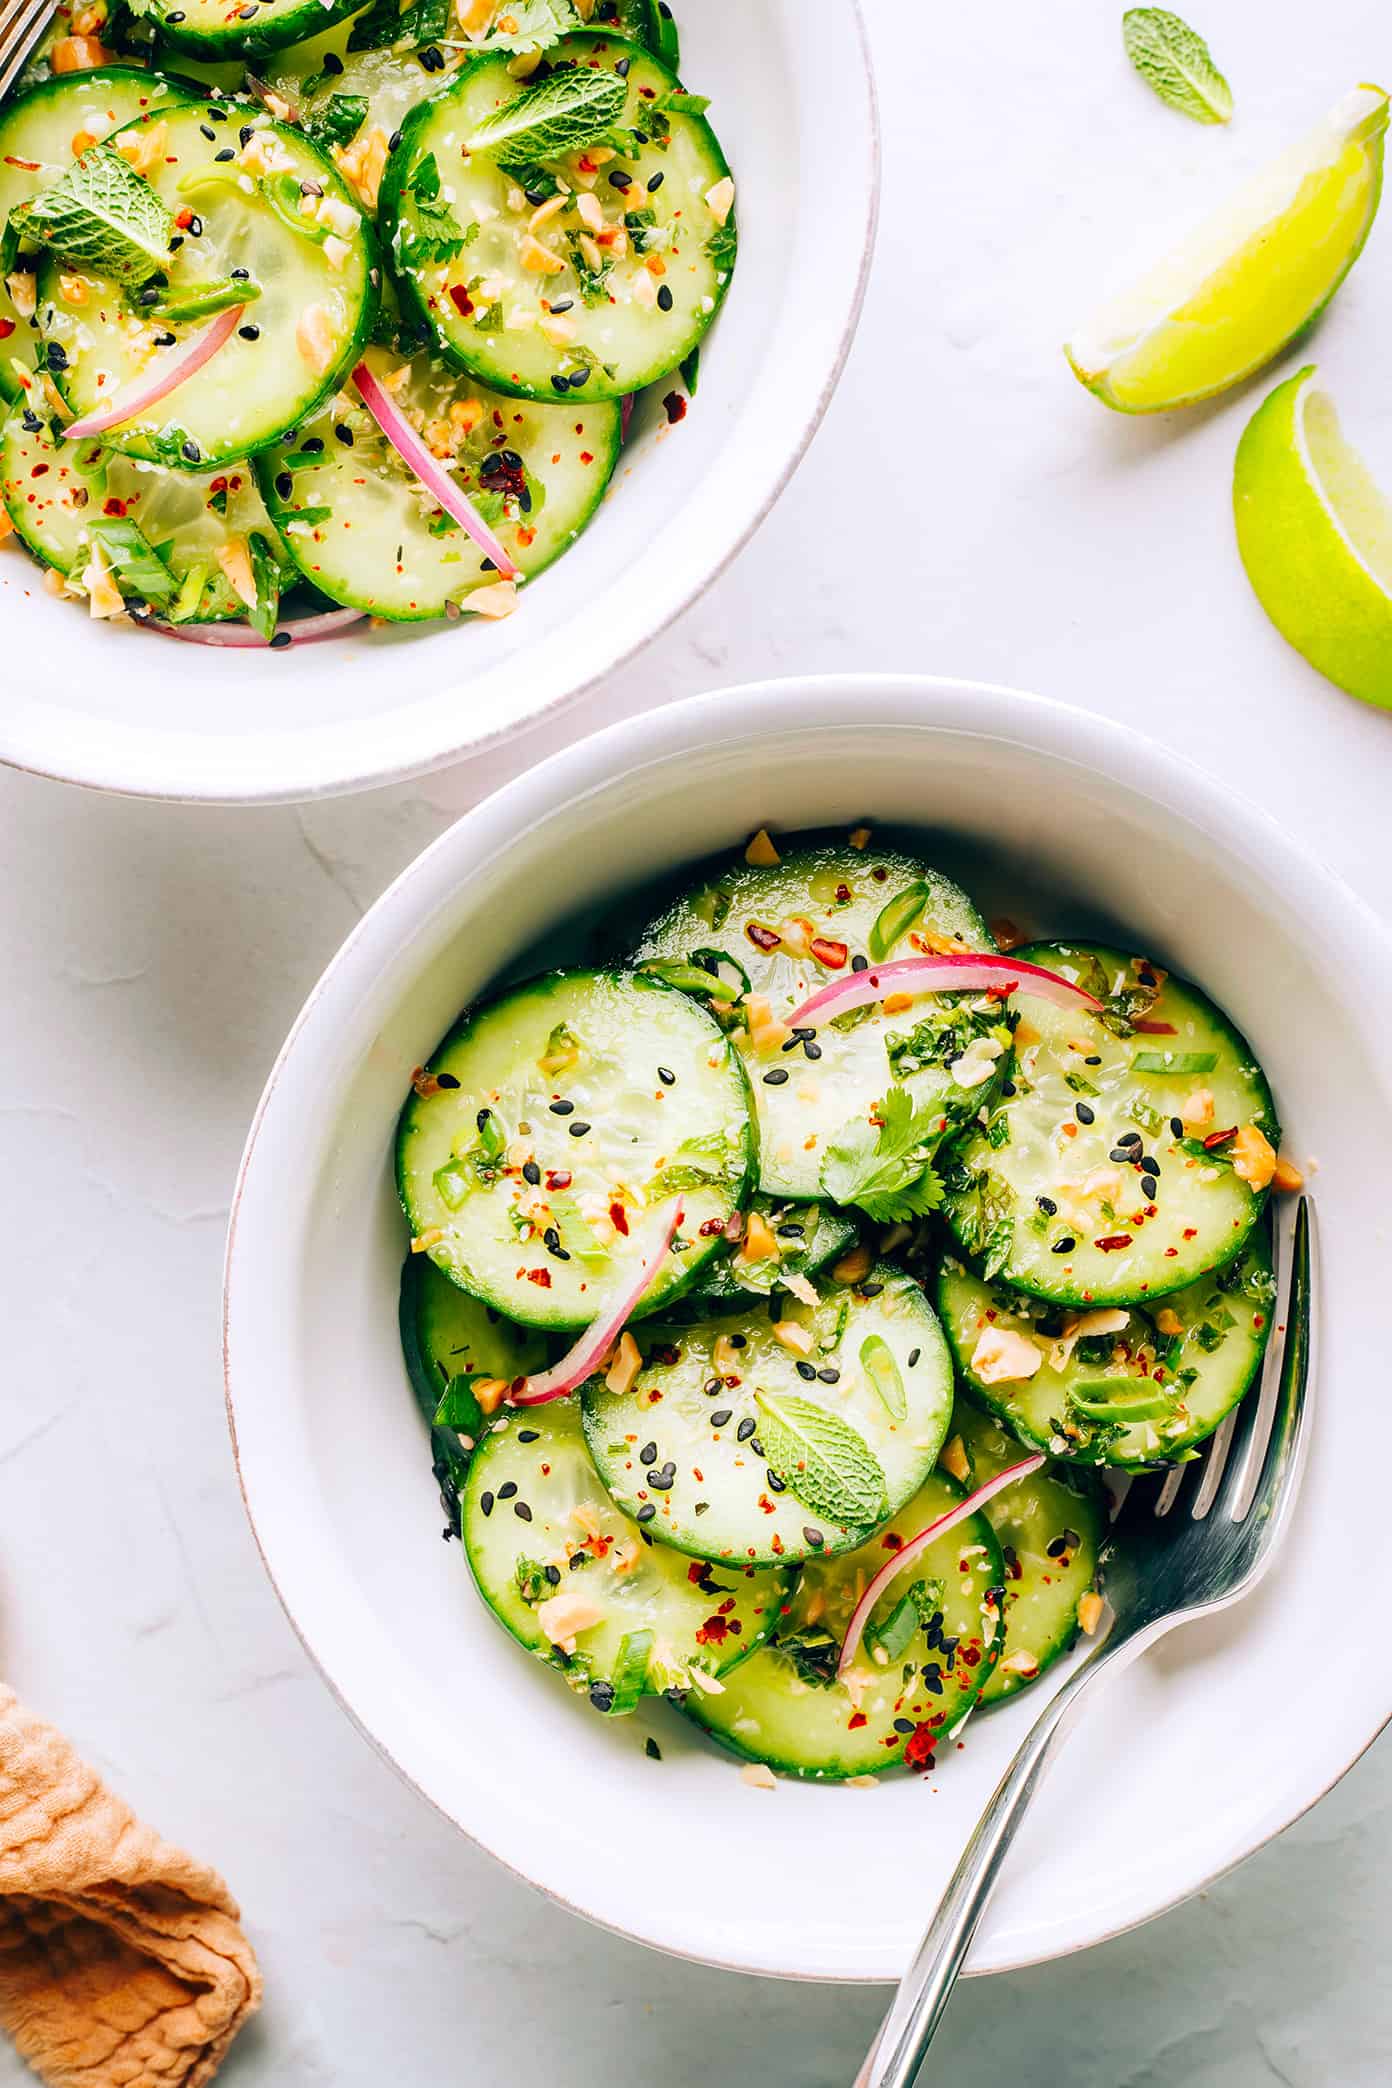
(924, 1990)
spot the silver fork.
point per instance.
(1182, 1546)
(22, 23)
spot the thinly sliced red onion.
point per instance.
(909, 1552)
(595, 1343)
(959, 972)
(412, 451)
(1155, 1029)
(149, 390)
(241, 637)
(626, 406)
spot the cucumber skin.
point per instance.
(414, 306)
(447, 1451)
(252, 39)
(699, 1260)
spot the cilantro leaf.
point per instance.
(104, 216)
(723, 245)
(533, 25)
(434, 232)
(888, 1171)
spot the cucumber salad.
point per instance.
(314, 312)
(784, 1281)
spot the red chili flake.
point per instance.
(713, 1632)
(766, 1504)
(115, 507)
(1002, 993)
(893, 1541)
(1111, 1241)
(675, 406)
(1170, 1252)
(184, 219)
(541, 1277)
(618, 1218)
(587, 456)
(461, 300)
(1191, 1232)
(971, 1655)
(559, 1178)
(727, 1605)
(763, 938)
(919, 1752)
(843, 895)
(1215, 1139)
(696, 1572)
(708, 1229)
(7, 327)
(832, 954)
(40, 471)
(777, 1545)
(857, 1718)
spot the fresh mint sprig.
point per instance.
(104, 216)
(1176, 63)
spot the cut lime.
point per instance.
(1315, 534)
(1238, 291)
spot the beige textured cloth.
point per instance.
(122, 1963)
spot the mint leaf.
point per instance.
(888, 1171)
(562, 113)
(1176, 63)
(102, 215)
(338, 121)
(820, 1458)
(135, 564)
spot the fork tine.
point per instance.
(1276, 1431)
(18, 37)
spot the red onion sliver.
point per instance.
(240, 637)
(148, 391)
(1155, 1029)
(626, 406)
(412, 451)
(596, 1341)
(960, 972)
(909, 1552)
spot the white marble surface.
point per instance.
(966, 509)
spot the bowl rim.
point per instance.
(752, 711)
(316, 766)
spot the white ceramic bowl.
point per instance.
(129, 711)
(1206, 1748)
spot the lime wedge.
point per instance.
(1248, 279)
(1315, 534)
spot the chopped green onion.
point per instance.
(630, 1677)
(878, 1363)
(898, 1628)
(1094, 1400)
(1174, 1061)
(894, 921)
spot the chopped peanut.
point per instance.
(235, 559)
(628, 1361)
(494, 602)
(859, 837)
(1253, 1157)
(336, 250)
(725, 1357)
(439, 439)
(855, 1263)
(1021, 1663)
(74, 289)
(1198, 1110)
(472, 14)
(1003, 1357)
(1168, 1321)
(793, 1335)
(1090, 1611)
(591, 212)
(544, 212)
(1287, 1178)
(594, 260)
(142, 148)
(538, 259)
(720, 200)
(625, 1556)
(90, 20)
(559, 332)
(562, 1617)
(765, 1032)
(895, 1003)
(363, 162)
(759, 1776)
(104, 598)
(466, 414)
(79, 54)
(759, 1241)
(954, 1460)
(1005, 935)
(314, 337)
(23, 289)
(490, 1393)
(644, 291)
(586, 1517)
(6, 526)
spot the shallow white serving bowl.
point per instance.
(1209, 1746)
(130, 711)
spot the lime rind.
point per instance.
(1253, 276)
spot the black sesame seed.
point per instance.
(578, 1559)
(529, 1435)
(1149, 1187)
(1084, 1114)
(207, 130)
(746, 1429)
(486, 1503)
(1131, 1139)
(333, 63)
(521, 1511)
(284, 485)
(1148, 1165)
(531, 1173)
(712, 1386)
(860, 964)
(577, 1129)
(551, 1240)
(560, 384)
(57, 356)
(1064, 1246)
(814, 1537)
(776, 1485)
(191, 451)
(871, 1290)
(579, 379)
(178, 16)
(562, 1108)
(777, 1077)
(249, 333)
(830, 1375)
(648, 1454)
(1008, 1087)
(700, 1507)
(164, 340)
(602, 1695)
(1047, 1205)
(655, 182)
(663, 1478)
(564, 304)
(280, 641)
(393, 141)
(432, 59)
(228, 152)
(792, 1231)
(756, 1446)
(1056, 1547)
(313, 445)
(246, 134)
(652, 1750)
(619, 180)
(446, 1080)
(507, 1489)
(664, 298)
(719, 1418)
(812, 1051)
(808, 1371)
(903, 1725)
(914, 1355)
(739, 1341)
(240, 275)
(1177, 1126)
(1093, 1060)
(195, 228)
(645, 1513)
(622, 67)
(553, 1574)
(1122, 1153)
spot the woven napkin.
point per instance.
(122, 1961)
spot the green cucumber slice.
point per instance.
(447, 1336)
(241, 29)
(599, 331)
(785, 1706)
(760, 917)
(808, 1236)
(639, 1109)
(732, 1444)
(40, 135)
(56, 491)
(1037, 1197)
(316, 304)
(1050, 1529)
(1205, 1341)
(531, 1504)
(362, 527)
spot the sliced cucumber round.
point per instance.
(779, 932)
(569, 275)
(804, 1238)
(1114, 1170)
(41, 134)
(65, 496)
(557, 1130)
(1129, 1386)
(219, 29)
(781, 1433)
(447, 1338)
(581, 1586)
(364, 529)
(1049, 1528)
(930, 1648)
(310, 282)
